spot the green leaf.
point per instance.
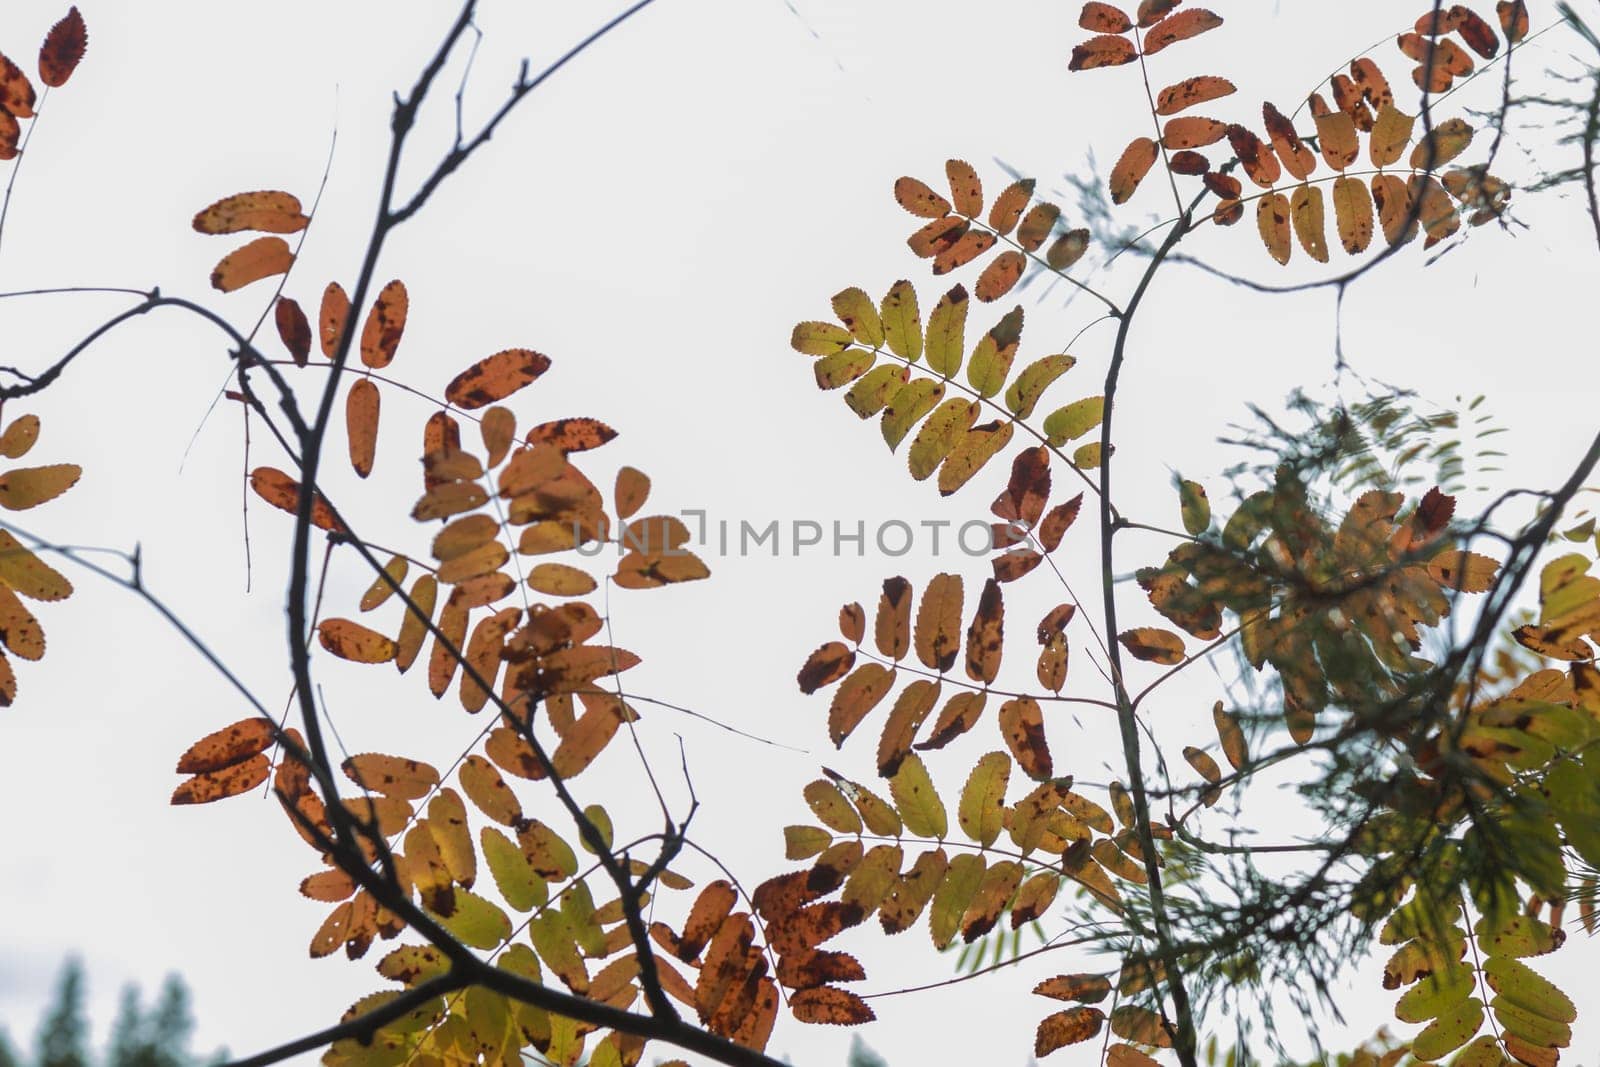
(947, 326)
(1074, 420)
(917, 800)
(911, 402)
(1515, 935)
(1449, 1031)
(873, 391)
(1435, 995)
(842, 368)
(954, 895)
(939, 435)
(830, 805)
(982, 809)
(902, 323)
(1030, 385)
(476, 921)
(991, 359)
(819, 338)
(1533, 1028)
(1520, 985)
(803, 842)
(855, 310)
(1195, 508)
(975, 448)
(522, 887)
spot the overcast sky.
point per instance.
(656, 219)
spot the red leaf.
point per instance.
(63, 48)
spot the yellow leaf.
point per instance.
(1272, 219)
(19, 437)
(558, 579)
(28, 487)
(1444, 143)
(1154, 645)
(269, 211)
(28, 574)
(1352, 212)
(1391, 132)
(1067, 1028)
(1307, 213)
(392, 776)
(354, 642)
(855, 310)
(414, 627)
(384, 585)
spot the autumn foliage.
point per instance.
(1455, 777)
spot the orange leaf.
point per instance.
(447, 647)
(331, 319)
(1153, 645)
(1086, 988)
(1272, 219)
(293, 329)
(270, 211)
(1022, 725)
(261, 258)
(10, 135)
(282, 491)
(1106, 50)
(1056, 523)
(825, 666)
(1192, 132)
(892, 625)
(228, 782)
(830, 1005)
(1188, 23)
(227, 746)
(1002, 273)
(1393, 198)
(972, 244)
(1191, 91)
(966, 191)
(414, 627)
(1292, 152)
(63, 48)
(1007, 208)
(386, 321)
(16, 91)
(633, 487)
(588, 737)
(22, 488)
(1135, 163)
(1151, 12)
(1067, 1028)
(1103, 18)
(572, 435)
(498, 428)
(391, 776)
(938, 631)
(495, 377)
(1258, 160)
(1513, 18)
(917, 198)
(1036, 226)
(361, 422)
(354, 642)
(1336, 136)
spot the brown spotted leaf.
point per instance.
(1308, 215)
(830, 1006)
(972, 244)
(1067, 1028)
(1192, 131)
(966, 191)
(1103, 18)
(282, 491)
(386, 322)
(1391, 132)
(229, 781)
(1352, 212)
(825, 666)
(1257, 158)
(1002, 273)
(985, 637)
(1105, 50)
(938, 629)
(495, 377)
(1191, 92)
(1513, 18)
(1153, 645)
(1272, 220)
(1009, 205)
(269, 211)
(352, 641)
(916, 197)
(16, 91)
(1291, 151)
(1131, 167)
(572, 435)
(1022, 725)
(227, 746)
(1190, 22)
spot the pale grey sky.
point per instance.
(655, 219)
